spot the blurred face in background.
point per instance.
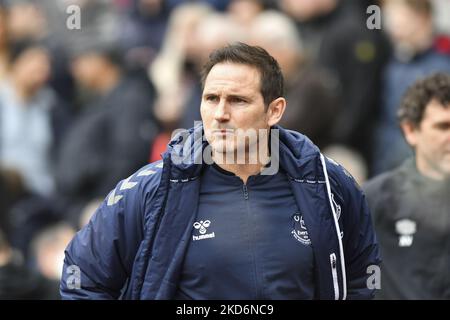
(88, 68)
(215, 31)
(287, 56)
(244, 11)
(276, 33)
(32, 67)
(431, 141)
(304, 10)
(49, 251)
(26, 20)
(184, 22)
(408, 28)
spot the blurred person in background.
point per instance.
(194, 31)
(11, 191)
(409, 24)
(312, 92)
(350, 160)
(411, 204)
(88, 212)
(112, 135)
(173, 71)
(30, 20)
(47, 253)
(99, 20)
(16, 281)
(33, 122)
(213, 32)
(245, 11)
(313, 18)
(26, 21)
(32, 118)
(143, 28)
(335, 36)
(4, 41)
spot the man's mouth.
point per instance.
(223, 131)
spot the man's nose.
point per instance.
(222, 113)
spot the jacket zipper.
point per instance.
(245, 192)
(334, 275)
(252, 246)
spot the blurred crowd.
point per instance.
(81, 109)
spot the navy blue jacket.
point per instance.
(134, 246)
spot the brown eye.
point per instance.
(212, 98)
(237, 100)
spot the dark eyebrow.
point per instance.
(236, 96)
(208, 94)
(442, 124)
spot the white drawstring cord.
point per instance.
(338, 229)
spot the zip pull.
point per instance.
(244, 187)
(333, 264)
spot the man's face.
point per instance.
(431, 141)
(33, 67)
(232, 100)
(87, 68)
(304, 10)
(404, 25)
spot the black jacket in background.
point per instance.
(341, 43)
(110, 140)
(16, 282)
(412, 220)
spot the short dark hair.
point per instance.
(18, 48)
(421, 93)
(105, 49)
(271, 77)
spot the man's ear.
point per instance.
(410, 132)
(275, 111)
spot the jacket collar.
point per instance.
(297, 155)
